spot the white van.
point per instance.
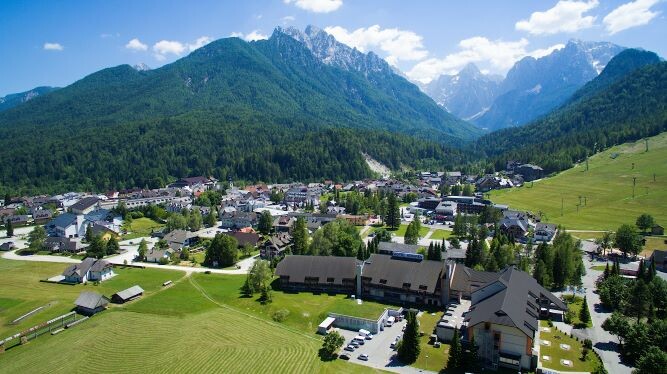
(390, 321)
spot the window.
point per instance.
(383, 281)
(406, 285)
(509, 361)
(330, 280)
(422, 287)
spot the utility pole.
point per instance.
(634, 182)
(646, 142)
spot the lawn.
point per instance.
(431, 358)
(554, 351)
(401, 231)
(607, 186)
(441, 234)
(653, 243)
(141, 227)
(23, 292)
(177, 329)
(575, 304)
(306, 310)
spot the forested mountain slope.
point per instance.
(633, 107)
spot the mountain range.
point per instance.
(532, 88)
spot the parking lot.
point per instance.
(379, 351)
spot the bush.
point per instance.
(280, 315)
(164, 261)
(588, 344)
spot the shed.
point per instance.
(89, 303)
(127, 295)
(326, 325)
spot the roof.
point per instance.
(387, 271)
(81, 268)
(514, 303)
(85, 203)
(91, 300)
(63, 220)
(467, 279)
(297, 268)
(245, 238)
(178, 236)
(390, 247)
(659, 255)
(130, 292)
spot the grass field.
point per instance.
(401, 231)
(22, 291)
(306, 310)
(557, 338)
(441, 234)
(607, 186)
(141, 227)
(178, 329)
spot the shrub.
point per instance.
(280, 315)
(164, 261)
(588, 344)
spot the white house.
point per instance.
(67, 225)
(90, 269)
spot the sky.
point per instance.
(56, 43)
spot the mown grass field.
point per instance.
(607, 186)
(557, 338)
(141, 227)
(178, 329)
(431, 358)
(21, 291)
(306, 310)
(575, 304)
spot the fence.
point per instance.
(23, 337)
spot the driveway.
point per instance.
(604, 343)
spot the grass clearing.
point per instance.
(653, 243)
(174, 329)
(440, 234)
(554, 351)
(607, 186)
(141, 227)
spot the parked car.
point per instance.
(354, 344)
(344, 356)
(349, 348)
(363, 357)
(369, 337)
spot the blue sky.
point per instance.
(58, 42)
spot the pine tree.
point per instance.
(10, 228)
(409, 348)
(650, 273)
(584, 313)
(393, 219)
(430, 252)
(605, 275)
(455, 351)
(469, 356)
(89, 233)
(300, 237)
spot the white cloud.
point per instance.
(53, 47)
(287, 19)
(398, 44)
(628, 15)
(163, 48)
(565, 16)
(317, 6)
(136, 45)
(251, 36)
(497, 55)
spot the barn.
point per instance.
(127, 295)
(89, 303)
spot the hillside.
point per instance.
(607, 186)
(268, 110)
(12, 100)
(631, 108)
(278, 80)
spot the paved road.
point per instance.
(128, 254)
(604, 343)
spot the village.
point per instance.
(430, 248)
